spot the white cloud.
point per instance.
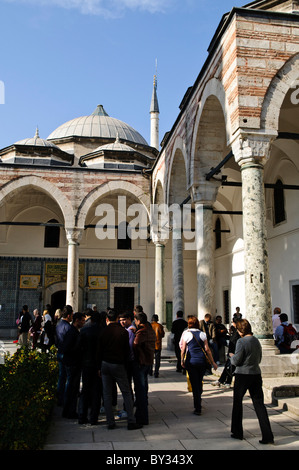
(107, 8)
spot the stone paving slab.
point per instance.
(174, 427)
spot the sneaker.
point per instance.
(225, 385)
(123, 414)
(216, 383)
(132, 426)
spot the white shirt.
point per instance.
(187, 336)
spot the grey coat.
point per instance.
(247, 356)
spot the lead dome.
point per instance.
(98, 124)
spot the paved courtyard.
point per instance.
(174, 427)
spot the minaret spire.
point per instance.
(154, 112)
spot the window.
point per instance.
(279, 210)
(52, 235)
(218, 234)
(123, 237)
(226, 306)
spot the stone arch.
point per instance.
(211, 131)
(104, 190)
(44, 186)
(158, 193)
(177, 175)
(280, 85)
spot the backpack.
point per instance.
(289, 335)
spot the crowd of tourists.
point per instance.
(100, 351)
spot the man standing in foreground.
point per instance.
(114, 353)
(71, 360)
(61, 329)
(144, 350)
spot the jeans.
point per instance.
(253, 383)
(196, 373)
(61, 380)
(157, 363)
(112, 373)
(72, 386)
(141, 393)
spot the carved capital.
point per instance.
(252, 147)
(74, 235)
(205, 192)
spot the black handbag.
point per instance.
(229, 367)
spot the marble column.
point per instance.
(205, 259)
(251, 152)
(177, 274)
(203, 197)
(160, 297)
(72, 285)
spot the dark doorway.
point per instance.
(123, 299)
(295, 291)
(58, 300)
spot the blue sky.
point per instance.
(59, 59)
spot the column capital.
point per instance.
(205, 192)
(74, 235)
(252, 147)
(158, 240)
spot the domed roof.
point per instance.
(36, 140)
(98, 124)
(116, 146)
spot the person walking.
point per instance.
(194, 353)
(177, 328)
(160, 333)
(246, 359)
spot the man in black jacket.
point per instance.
(113, 354)
(71, 360)
(91, 382)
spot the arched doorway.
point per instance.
(58, 300)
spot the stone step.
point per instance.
(290, 404)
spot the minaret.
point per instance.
(154, 112)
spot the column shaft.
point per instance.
(72, 285)
(205, 259)
(160, 303)
(177, 276)
(257, 283)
